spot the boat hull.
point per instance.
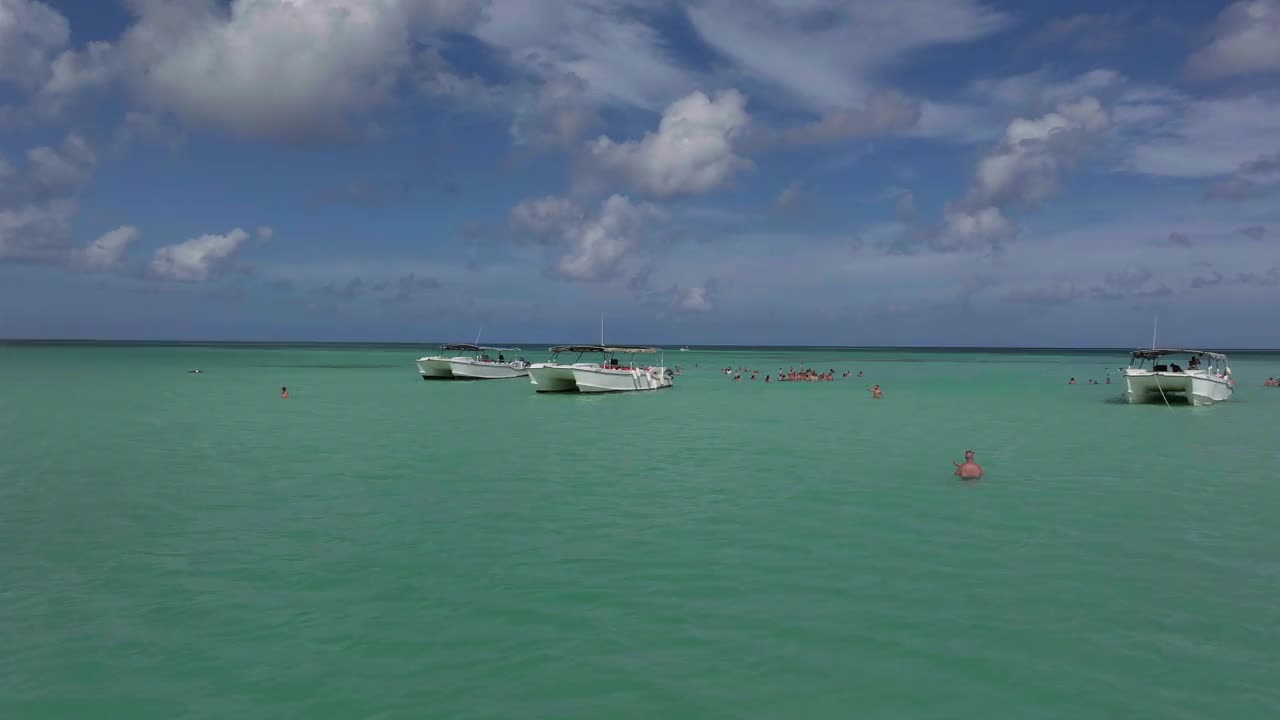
(1194, 388)
(469, 369)
(605, 380)
(549, 378)
(435, 368)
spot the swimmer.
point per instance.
(970, 470)
(284, 393)
(877, 393)
(1072, 381)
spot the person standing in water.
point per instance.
(284, 393)
(877, 393)
(970, 470)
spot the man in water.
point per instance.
(970, 470)
(877, 393)
(284, 393)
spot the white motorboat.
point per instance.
(557, 376)
(613, 375)
(1205, 380)
(473, 362)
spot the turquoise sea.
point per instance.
(192, 546)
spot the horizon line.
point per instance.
(712, 346)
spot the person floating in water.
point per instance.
(877, 393)
(970, 470)
(1072, 381)
(284, 393)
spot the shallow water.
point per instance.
(184, 545)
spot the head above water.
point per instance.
(968, 456)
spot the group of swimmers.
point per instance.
(790, 375)
(801, 375)
(1272, 382)
(1072, 381)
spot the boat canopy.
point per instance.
(477, 348)
(1153, 353)
(603, 349)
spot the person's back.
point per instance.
(970, 470)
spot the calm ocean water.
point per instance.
(191, 546)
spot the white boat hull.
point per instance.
(435, 368)
(1193, 387)
(603, 380)
(472, 369)
(549, 377)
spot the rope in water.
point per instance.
(1161, 389)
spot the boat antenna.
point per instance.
(1155, 324)
(602, 329)
(477, 342)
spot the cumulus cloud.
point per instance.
(590, 244)
(691, 152)
(31, 36)
(555, 113)
(37, 232)
(48, 172)
(1023, 170)
(279, 68)
(694, 299)
(105, 252)
(197, 259)
(37, 201)
(1244, 42)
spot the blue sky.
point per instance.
(922, 172)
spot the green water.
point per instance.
(192, 546)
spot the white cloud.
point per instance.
(37, 205)
(1204, 138)
(1022, 171)
(1246, 40)
(605, 43)
(294, 69)
(31, 35)
(691, 152)
(979, 113)
(38, 232)
(590, 245)
(105, 252)
(825, 53)
(197, 259)
(265, 232)
(694, 299)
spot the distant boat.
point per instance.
(475, 362)
(684, 348)
(1206, 379)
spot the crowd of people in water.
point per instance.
(794, 375)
